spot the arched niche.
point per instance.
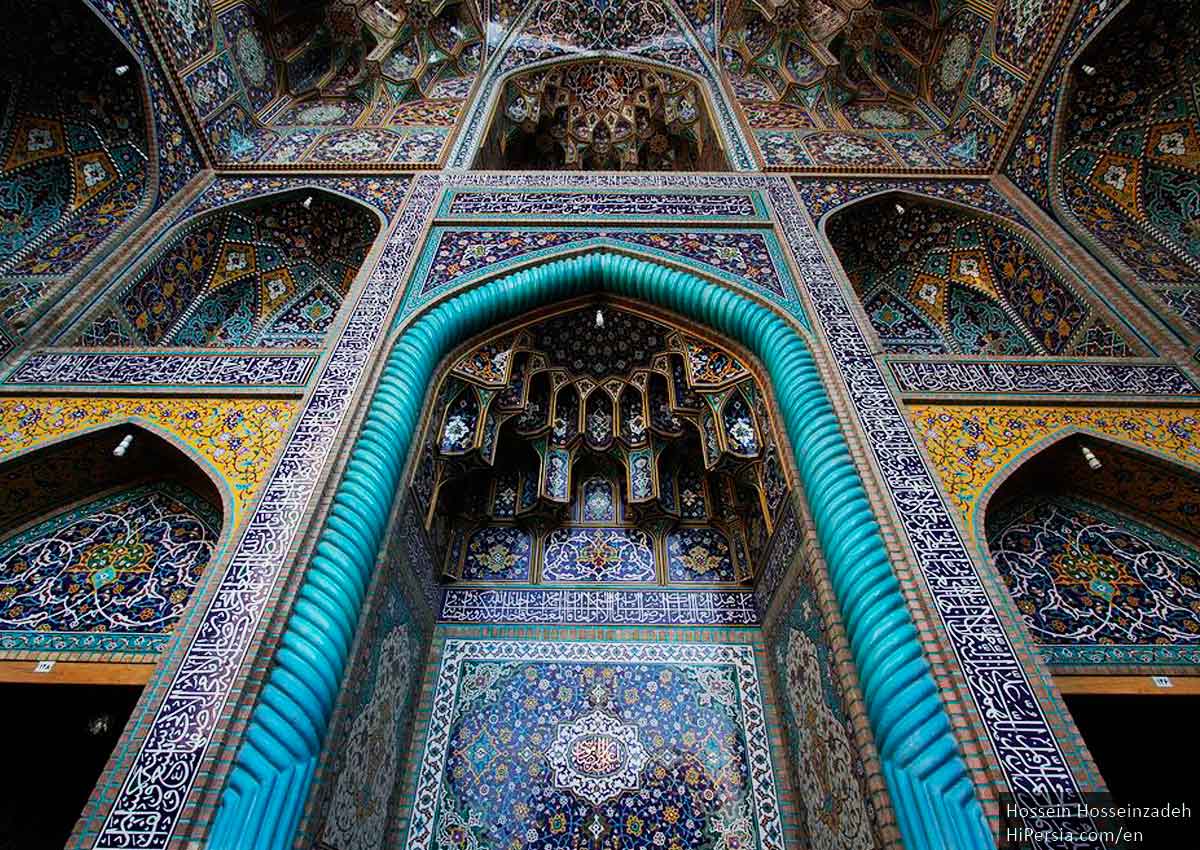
(936, 278)
(1126, 166)
(1098, 544)
(794, 63)
(324, 81)
(270, 272)
(74, 141)
(101, 552)
(601, 114)
(637, 451)
(272, 775)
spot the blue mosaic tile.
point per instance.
(559, 744)
(699, 554)
(456, 255)
(112, 574)
(598, 555)
(497, 553)
(1095, 586)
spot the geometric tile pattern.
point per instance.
(303, 89)
(178, 157)
(1129, 157)
(73, 148)
(670, 128)
(822, 196)
(647, 745)
(916, 85)
(935, 280)
(267, 273)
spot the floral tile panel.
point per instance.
(563, 745)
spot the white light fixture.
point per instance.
(123, 446)
(307, 204)
(1090, 457)
(599, 318)
(121, 70)
(100, 724)
(1090, 70)
(899, 209)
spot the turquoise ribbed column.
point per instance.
(932, 793)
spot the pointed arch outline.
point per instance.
(1130, 281)
(467, 143)
(990, 573)
(145, 258)
(268, 784)
(1075, 283)
(1039, 447)
(675, 322)
(213, 475)
(198, 600)
(412, 306)
(94, 258)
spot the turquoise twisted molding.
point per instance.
(930, 789)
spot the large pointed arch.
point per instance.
(141, 528)
(927, 778)
(272, 270)
(1128, 150)
(79, 172)
(1094, 538)
(1009, 267)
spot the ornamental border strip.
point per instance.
(167, 369)
(495, 205)
(586, 607)
(271, 774)
(151, 798)
(602, 239)
(1163, 382)
(1020, 734)
(752, 719)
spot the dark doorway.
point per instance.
(1146, 749)
(60, 738)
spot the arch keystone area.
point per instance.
(927, 778)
